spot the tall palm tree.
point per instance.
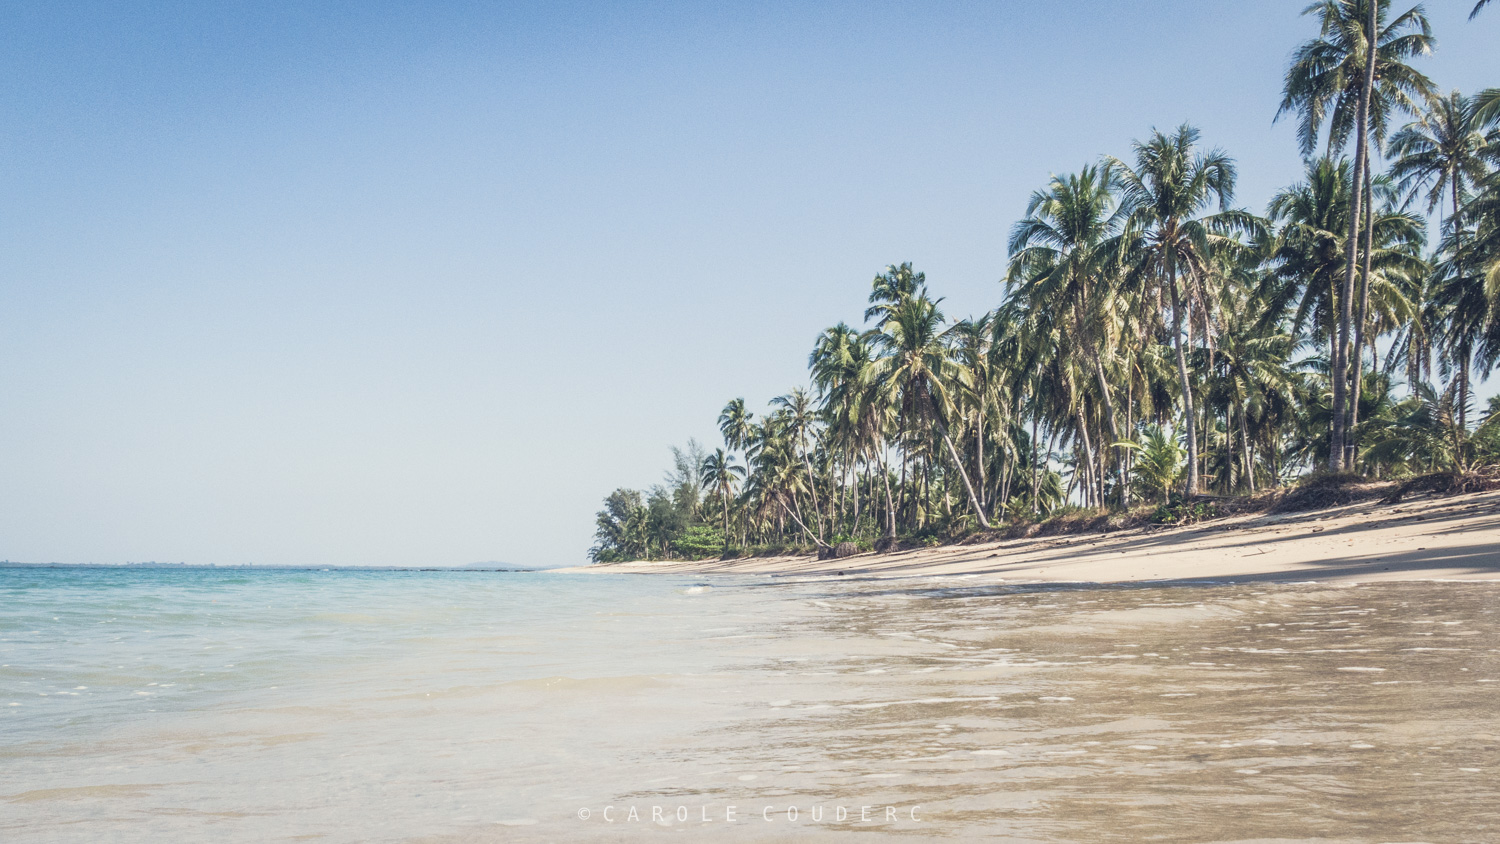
(980, 386)
(734, 424)
(721, 475)
(892, 287)
(1477, 6)
(799, 412)
(1168, 240)
(1444, 151)
(1306, 260)
(1354, 77)
(1056, 257)
(916, 373)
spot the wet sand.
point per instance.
(1455, 538)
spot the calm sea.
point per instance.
(183, 704)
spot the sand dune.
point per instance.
(1444, 538)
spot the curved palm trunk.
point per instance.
(780, 499)
(812, 484)
(1114, 431)
(958, 464)
(1187, 384)
(1245, 451)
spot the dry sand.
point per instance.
(1444, 538)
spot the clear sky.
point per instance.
(369, 283)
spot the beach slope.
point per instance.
(1438, 538)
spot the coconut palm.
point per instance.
(721, 475)
(1307, 255)
(1443, 152)
(1057, 259)
(735, 424)
(1168, 239)
(799, 413)
(1158, 466)
(917, 376)
(1354, 77)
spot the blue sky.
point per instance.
(345, 283)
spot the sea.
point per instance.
(144, 704)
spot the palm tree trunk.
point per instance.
(1087, 486)
(890, 502)
(1114, 431)
(1245, 451)
(780, 499)
(812, 483)
(979, 454)
(1036, 480)
(1340, 366)
(1352, 449)
(1187, 384)
(958, 464)
(1463, 389)
(725, 498)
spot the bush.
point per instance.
(1178, 512)
(699, 542)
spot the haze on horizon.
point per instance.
(371, 283)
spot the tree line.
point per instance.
(1155, 341)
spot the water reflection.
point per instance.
(1183, 713)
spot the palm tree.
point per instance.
(721, 475)
(917, 375)
(1477, 6)
(1306, 258)
(1443, 152)
(892, 287)
(1339, 79)
(734, 424)
(979, 387)
(1168, 241)
(1160, 465)
(1057, 260)
(799, 413)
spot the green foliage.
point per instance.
(1159, 463)
(699, 542)
(1179, 512)
(1152, 339)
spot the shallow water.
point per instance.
(150, 705)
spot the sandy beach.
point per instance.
(1454, 538)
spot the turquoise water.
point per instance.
(166, 704)
(350, 706)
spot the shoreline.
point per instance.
(1449, 538)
